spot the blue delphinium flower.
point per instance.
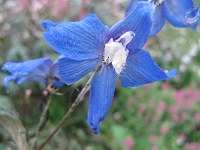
(88, 44)
(39, 70)
(179, 13)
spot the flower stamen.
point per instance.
(115, 52)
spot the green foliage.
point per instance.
(15, 129)
(136, 112)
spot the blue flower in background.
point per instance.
(39, 70)
(88, 44)
(179, 13)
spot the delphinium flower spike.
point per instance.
(88, 44)
(179, 13)
(40, 70)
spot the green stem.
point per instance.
(42, 125)
(42, 119)
(78, 100)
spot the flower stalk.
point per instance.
(48, 93)
(78, 100)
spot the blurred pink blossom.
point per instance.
(154, 148)
(162, 106)
(146, 118)
(23, 3)
(142, 107)
(173, 109)
(184, 115)
(129, 143)
(147, 87)
(3, 33)
(152, 138)
(60, 7)
(130, 101)
(179, 95)
(45, 3)
(181, 139)
(192, 146)
(175, 117)
(156, 117)
(165, 86)
(164, 130)
(197, 117)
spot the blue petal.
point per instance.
(22, 78)
(141, 69)
(176, 11)
(158, 20)
(139, 21)
(131, 6)
(7, 80)
(78, 40)
(54, 74)
(101, 96)
(53, 71)
(19, 68)
(37, 70)
(48, 24)
(57, 84)
(73, 70)
(33, 77)
(192, 17)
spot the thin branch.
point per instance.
(43, 116)
(42, 126)
(78, 100)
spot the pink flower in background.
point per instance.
(162, 106)
(147, 118)
(197, 117)
(164, 130)
(46, 3)
(180, 94)
(24, 3)
(147, 87)
(130, 101)
(60, 7)
(173, 109)
(175, 117)
(152, 138)
(184, 115)
(81, 14)
(154, 148)
(181, 139)
(129, 143)
(192, 146)
(3, 33)
(165, 86)
(142, 107)
(156, 117)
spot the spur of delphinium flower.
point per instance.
(179, 13)
(88, 44)
(41, 70)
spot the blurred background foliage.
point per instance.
(160, 116)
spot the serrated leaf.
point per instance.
(16, 130)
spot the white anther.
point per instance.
(115, 52)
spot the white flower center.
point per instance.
(115, 52)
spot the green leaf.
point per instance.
(16, 130)
(5, 103)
